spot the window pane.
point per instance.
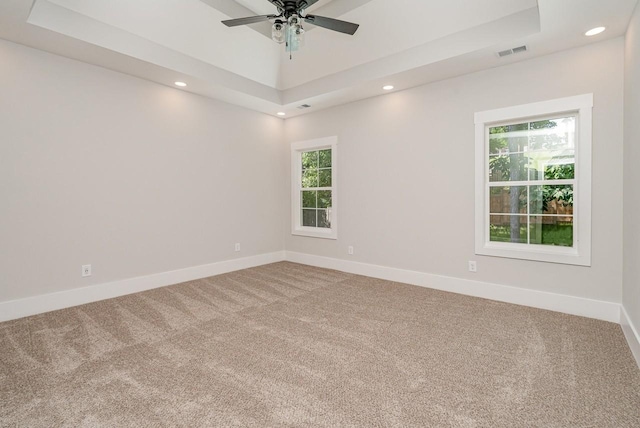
(324, 219)
(551, 231)
(309, 218)
(508, 138)
(309, 198)
(324, 199)
(511, 167)
(325, 158)
(508, 200)
(325, 178)
(309, 160)
(310, 178)
(553, 134)
(508, 228)
(548, 134)
(552, 165)
(551, 199)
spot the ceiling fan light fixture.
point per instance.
(287, 27)
(296, 39)
(293, 20)
(295, 34)
(278, 32)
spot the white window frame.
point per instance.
(580, 253)
(296, 187)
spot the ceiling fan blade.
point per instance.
(249, 20)
(332, 24)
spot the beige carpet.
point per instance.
(291, 345)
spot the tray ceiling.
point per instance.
(401, 42)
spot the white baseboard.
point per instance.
(539, 299)
(590, 308)
(631, 333)
(19, 308)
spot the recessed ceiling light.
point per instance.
(281, 113)
(181, 84)
(387, 88)
(595, 31)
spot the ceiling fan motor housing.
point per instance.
(293, 7)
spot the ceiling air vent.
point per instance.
(512, 51)
(303, 106)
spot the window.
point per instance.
(533, 181)
(314, 197)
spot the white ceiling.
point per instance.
(402, 42)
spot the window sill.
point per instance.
(313, 232)
(549, 254)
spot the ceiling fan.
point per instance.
(287, 26)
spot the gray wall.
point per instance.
(631, 287)
(406, 172)
(132, 177)
(137, 178)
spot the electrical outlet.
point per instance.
(86, 270)
(350, 250)
(472, 266)
(238, 246)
